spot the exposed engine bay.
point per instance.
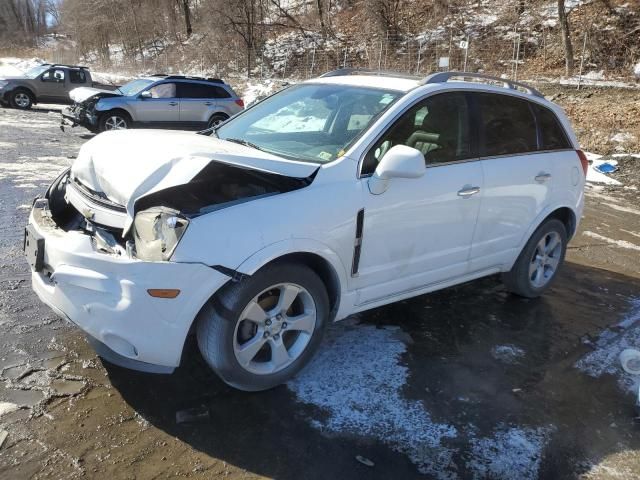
(72, 205)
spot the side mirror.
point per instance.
(146, 94)
(399, 162)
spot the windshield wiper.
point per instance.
(243, 142)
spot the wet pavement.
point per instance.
(468, 382)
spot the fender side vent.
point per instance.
(357, 247)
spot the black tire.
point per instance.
(519, 280)
(219, 323)
(21, 99)
(216, 119)
(107, 119)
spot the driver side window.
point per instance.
(53, 76)
(163, 90)
(437, 126)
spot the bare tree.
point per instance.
(187, 17)
(566, 38)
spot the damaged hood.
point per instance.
(81, 94)
(126, 165)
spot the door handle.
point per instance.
(542, 177)
(208, 103)
(468, 191)
(173, 104)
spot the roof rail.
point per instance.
(367, 71)
(53, 65)
(159, 75)
(442, 77)
(189, 77)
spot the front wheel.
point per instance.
(21, 99)
(537, 266)
(258, 333)
(114, 121)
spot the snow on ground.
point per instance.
(589, 79)
(12, 66)
(595, 176)
(604, 359)
(357, 380)
(7, 407)
(510, 453)
(611, 241)
(508, 354)
(255, 90)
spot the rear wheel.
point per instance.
(217, 119)
(258, 333)
(21, 99)
(115, 120)
(537, 266)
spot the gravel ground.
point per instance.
(469, 382)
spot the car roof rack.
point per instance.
(368, 71)
(64, 65)
(442, 77)
(189, 77)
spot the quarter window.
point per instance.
(552, 135)
(437, 126)
(507, 125)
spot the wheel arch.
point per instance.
(28, 90)
(323, 261)
(567, 216)
(564, 213)
(115, 109)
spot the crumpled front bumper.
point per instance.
(76, 115)
(106, 296)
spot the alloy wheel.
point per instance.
(274, 329)
(22, 100)
(545, 259)
(115, 122)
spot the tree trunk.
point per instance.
(323, 26)
(187, 17)
(566, 38)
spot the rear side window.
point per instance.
(77, 76)
(200, 90)
(552, 135)
(507, 125)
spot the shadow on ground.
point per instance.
(455, 371)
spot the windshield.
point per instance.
(308, 122)
(135, 86)
(35, 71)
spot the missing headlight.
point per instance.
(157, 231)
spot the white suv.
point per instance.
(334, 196)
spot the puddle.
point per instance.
(24, 398)
(67, 387)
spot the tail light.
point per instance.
(240, 102)
(583, 160)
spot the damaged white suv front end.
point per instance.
(101, 239)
